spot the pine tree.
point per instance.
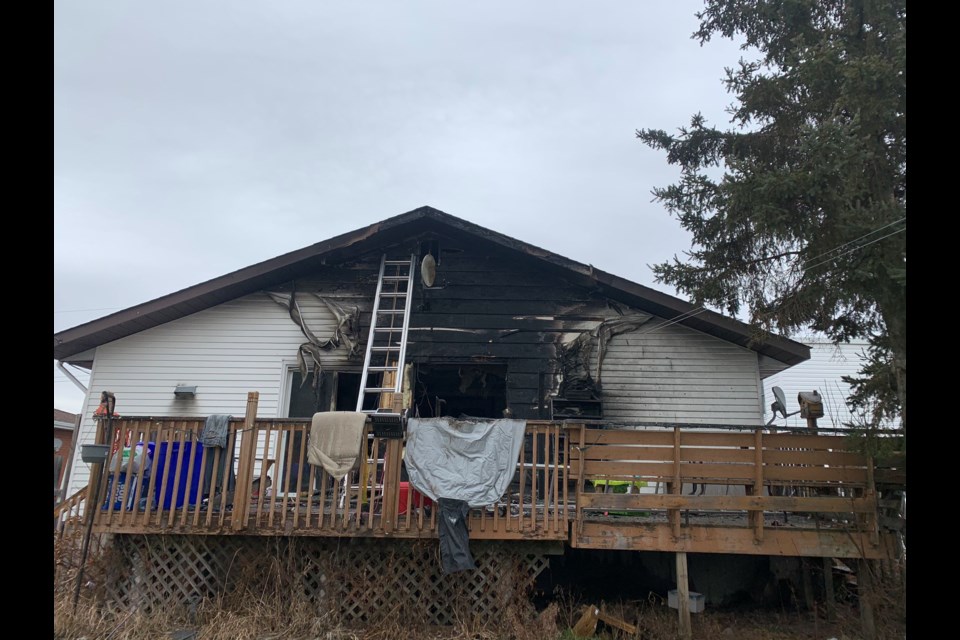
(798, 211)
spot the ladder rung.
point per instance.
(391, 271)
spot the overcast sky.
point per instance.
(193, 139)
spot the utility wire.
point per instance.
(862, 246)
(699, 310)
(869, 233)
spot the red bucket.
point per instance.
(418, 500)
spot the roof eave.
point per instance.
(263, 274)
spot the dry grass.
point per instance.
(249, 615)
(271, 620)
(266, 603)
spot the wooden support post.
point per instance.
(556, 476)
(758, 515)
(391, 483)
(96, 471)
(828, 596)
(533, 480)
(865, 589)
(248, 447)
(871, 494)
(683, 597)
(581, 461)
(808, 598)
(523, 481)
(566, 480)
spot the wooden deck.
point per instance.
(793, 494)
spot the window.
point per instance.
(338, 392)
(475, 390)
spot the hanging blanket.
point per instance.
(215, 430)
(335, 441)
(472, 460)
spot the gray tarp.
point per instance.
(472, 460)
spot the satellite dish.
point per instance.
(428, 270)
(780, 404)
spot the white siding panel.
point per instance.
(822, 373)
(676, 374)
(227, 351)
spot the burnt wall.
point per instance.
(487, 307)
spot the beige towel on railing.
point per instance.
(335, 441)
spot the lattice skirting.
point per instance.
(365, 581)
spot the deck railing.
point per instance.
(262, 482)
(677, 471)
(69, 512)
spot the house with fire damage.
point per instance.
(462, 405)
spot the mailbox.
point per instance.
(811, 405)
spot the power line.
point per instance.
(680, 318)
(862, 246)
(693, 312)
(869, 233)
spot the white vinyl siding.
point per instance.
(226, 351)
(676, 374)
(822, 373)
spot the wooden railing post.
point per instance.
(757, 515)
(248, 447)
(533, 480)
(581, 462)
(677, 488)
(93, 486)
(391, 485)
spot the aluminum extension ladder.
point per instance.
(387, 342)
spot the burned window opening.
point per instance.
(335, 391)
(431, 247)
(469, 389)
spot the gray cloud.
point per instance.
(193, 139)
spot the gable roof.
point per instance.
(288, 266)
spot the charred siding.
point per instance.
(488, 306)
